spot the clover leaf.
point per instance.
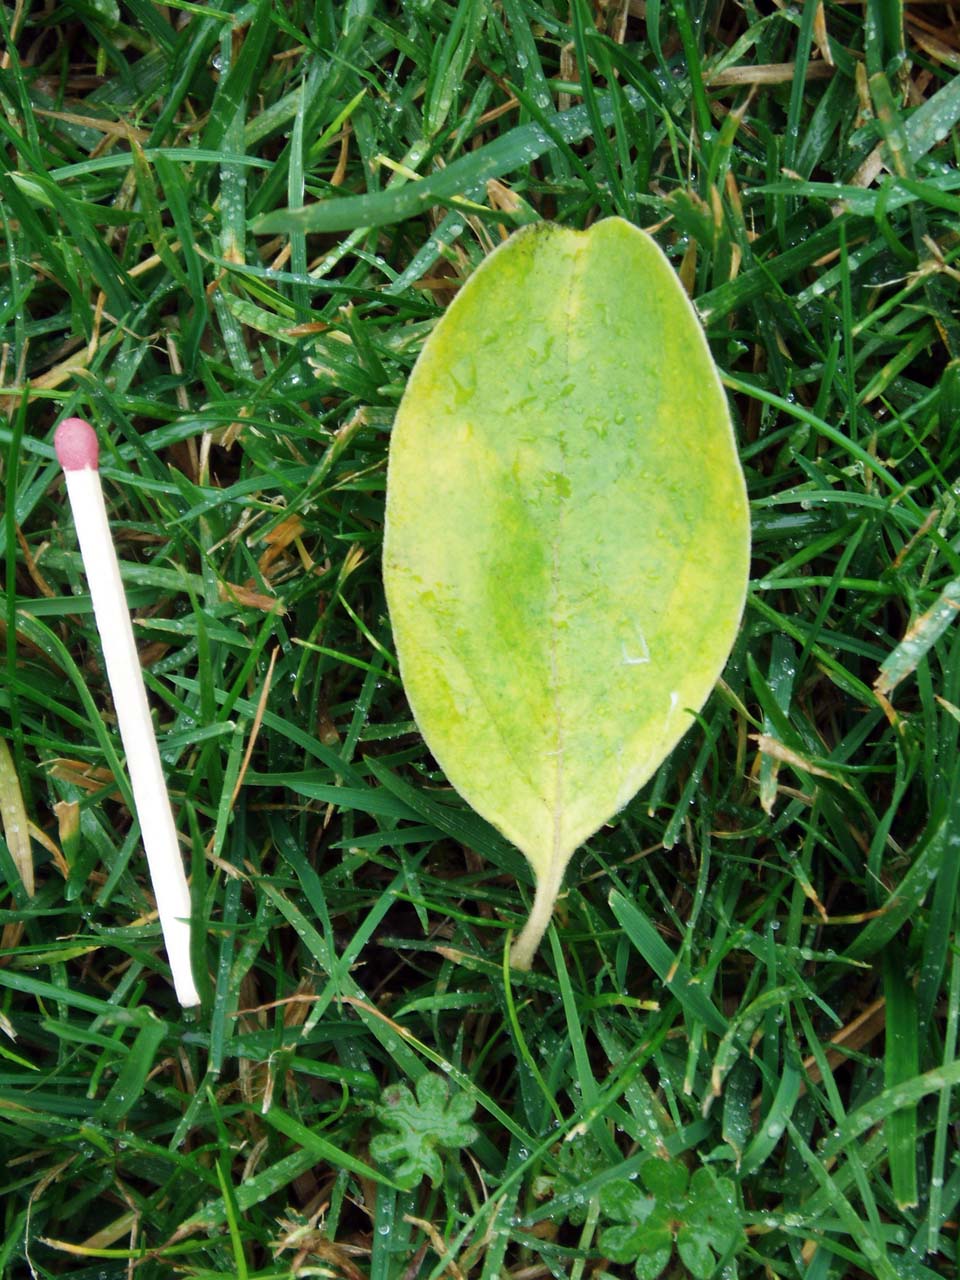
(697, 1214)
(423, 1126)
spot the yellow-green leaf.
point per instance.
(567, 535)
(13, 819)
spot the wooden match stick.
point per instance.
(76, 445)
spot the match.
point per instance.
(77, 450)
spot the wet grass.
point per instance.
(227, 232)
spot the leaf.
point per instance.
(625, 1202)
(646, 1236)
(433, 1119)
(712, 1224)
(567, 538)
(13, 819)
(921, 636)
(666, 1180)
(701, 1212)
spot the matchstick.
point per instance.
(76, 445)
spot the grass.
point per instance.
(227, 231)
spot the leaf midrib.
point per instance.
(559, 853)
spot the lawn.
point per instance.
(228, 230)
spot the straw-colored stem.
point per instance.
(525, 948)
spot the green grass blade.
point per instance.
(901, 1063)
(676, 977)
(469, 173)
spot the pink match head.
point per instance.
(76, 444)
